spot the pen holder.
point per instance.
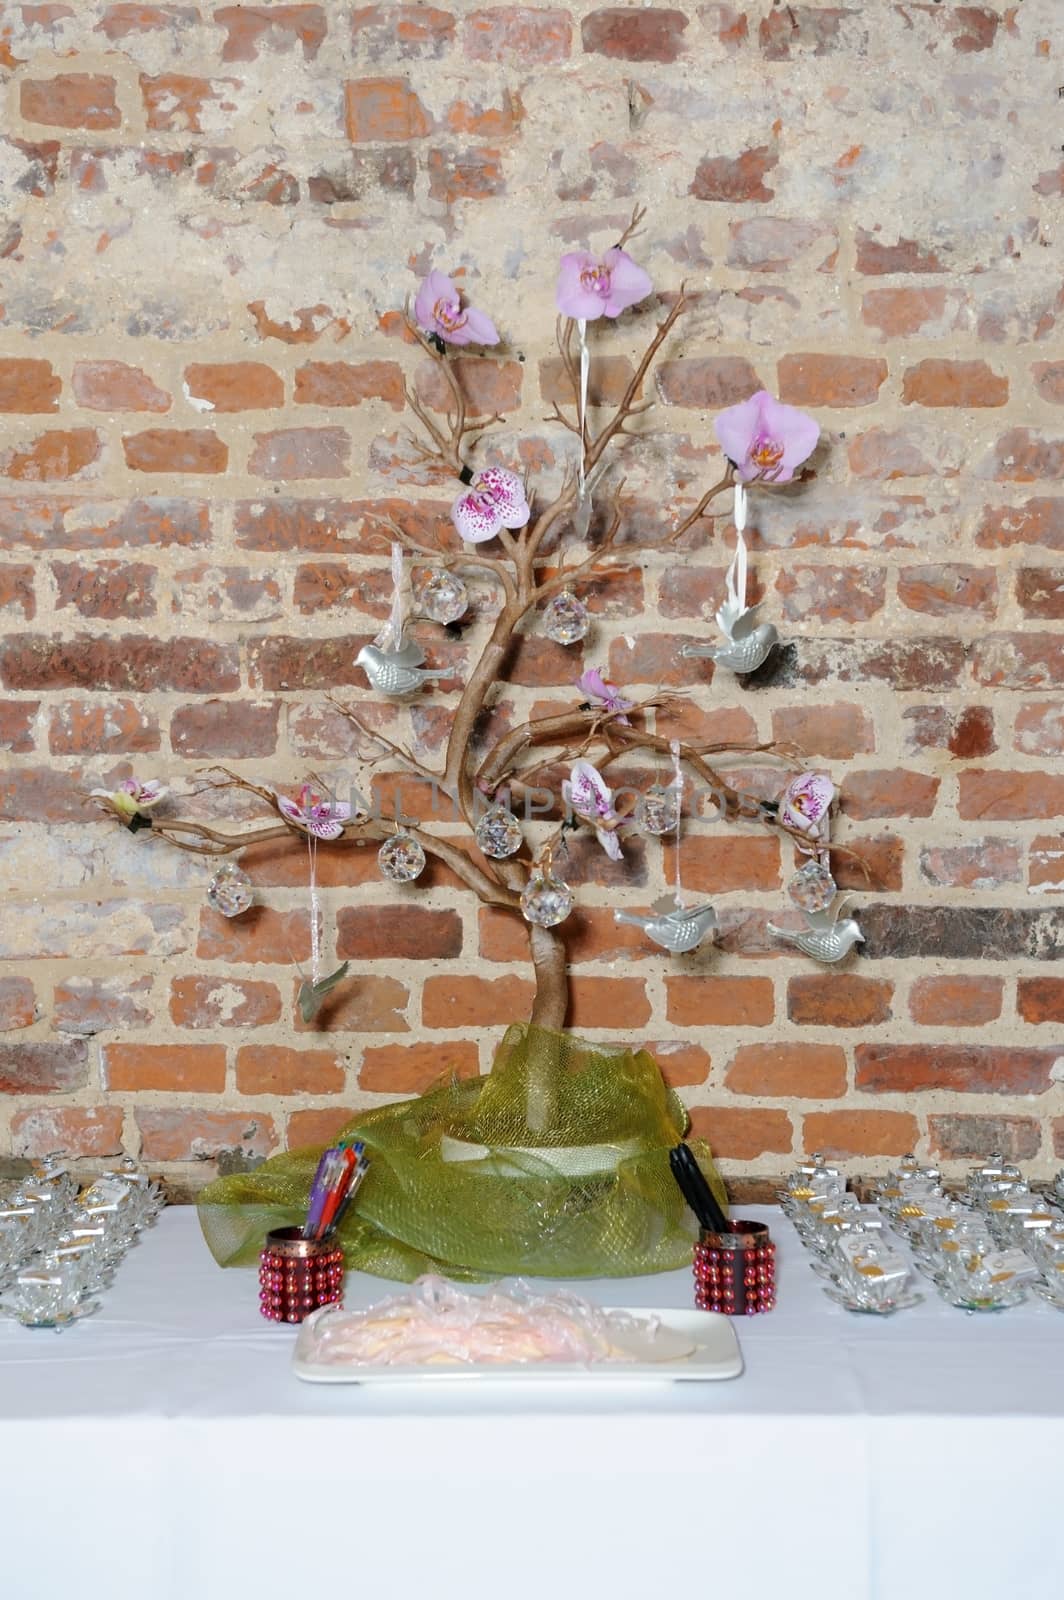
(298, 1275)
(735, 1272)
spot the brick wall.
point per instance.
(208, 214)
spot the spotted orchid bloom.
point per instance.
(589, 287)
(590, 798)
(132, 798)
(494, 500)
(438, 310)
(806, 805)
(325, 819)
(595, 687)
(766, 439)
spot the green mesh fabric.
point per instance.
(553, 1165)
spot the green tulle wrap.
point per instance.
(553, 1165)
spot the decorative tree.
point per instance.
(537, 572)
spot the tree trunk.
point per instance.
(552, 978)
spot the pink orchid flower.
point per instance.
(806, 805)
(438, 309)
(592, 684)
(589, 796)
(323, 818)
(766, 439)
(132, 798)
(589, 288)
(494, 500)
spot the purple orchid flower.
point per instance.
(805, 804)
(494, 500)
(589, 288)
(323, 818)
(591, 799)
(438, 309)
(132, 798)
(766, 439)
(592, 684)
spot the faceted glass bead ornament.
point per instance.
(401, 858)
(546, 901)
(812, 887)
(230, 891)
(498, 833)
(442, 597)
(658, 811)
(566, 620)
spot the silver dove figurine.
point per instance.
(747, 643)
(828, 937)
(397, 673)
(678, 931)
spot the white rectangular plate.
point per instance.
(716, 1356)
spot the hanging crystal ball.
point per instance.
(546, 901)
(498, 833)
(442, 597)
(230, 891)
(401, 859)
(658, 811)
(812, 887)
(566, 620)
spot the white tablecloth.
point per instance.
(163, 1450)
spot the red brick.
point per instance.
(52, 457)
(977, 864)
(831, 594)
(634, 34)
(1040, 592)
(71, 100)
(115, 727)
(16, 591)
(347, 383)
(679, 1062)
(28, 386)
(226, 594)
(316, 1128)
(273, 1069)
(1009, 796)
(1049, 380)
(840, 1000)
(1023, 456)
(719, 1002)
(250, 29)
(529, 35)
(826, 380)
(966, 1069)
(126, 663)
(192, 1134)
(1038, 521)
(905, 255)
(363, 1004)
(888, 454)
(608, 378)
(803, 30)
(397, 933)
(237, 729)
(463, 174)
(806, 1071)
(735, 180)
(234, 385)
(896, 793)
(398, 1069)
(40, 794)
(380, 109)
(175, 450)
(771, 244)
(860, 1133)
(954, 1002)
(183, 1068)
(949, 588)
(705, 383)
(961, 1137)
(1040, 1000)
(44, 1068)
(965, 732)
(591, 934)
(90, 1005)
(198, 1001)
(18, 1004)
(900, 312)
(728, 861)
(953, 383)
(301, 453)
(16, 725)
(305, 325)
(404, 31)
(114, 386)
(652, 658)
(176, 103)
(260, 934)
(736, 1133)
(837, 731)
(614, 1003)
(127, 20)
(1046, 863)
(77, 1131)
(106, 589)
(1040, 729)
(491, 388)
(475, 1002)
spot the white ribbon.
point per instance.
(585, 369)
(736, 575)
(315, 911)
(677, 784)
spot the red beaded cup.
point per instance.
(735, 1272)
(298, 1275)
